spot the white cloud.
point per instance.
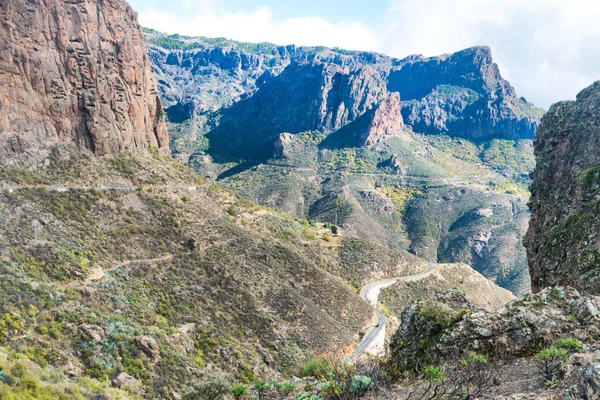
(260, 26)
(548, 49)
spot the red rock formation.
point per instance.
(385, 122)
(76, 71)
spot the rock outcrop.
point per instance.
(76, 72)
(385, 121)
(432, 331)
(563, 241)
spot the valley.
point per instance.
(197, 218)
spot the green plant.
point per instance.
(18, 370)
(238, 391)
(212, 385)
(360, 385)
(434, 374)
(550, 362)
(232, 211)
(308, 396)
(320, 368)
(261, 388)
(332, 389)
(284, 389)
(572, 345)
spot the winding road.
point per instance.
(369, 294)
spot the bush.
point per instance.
(550, 362)
(232, 211)
(320, 368)
(261, 388)
(360, 385)
(30, 384)
(572, 345)
(211, 385)
(18, 370)
(238, 391)
(308, 396)
(332, 389)
(284, 389)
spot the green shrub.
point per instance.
(30, 384)
(284, 389)
(42, 329)
(308, 396)
(261, 388)
(212, 385)
(434, 374)
(550, 362)
(18, 370)
(320, 368)
(332, 389)
(572, 345)
(238, 391)
(232, 211)
(360, 385)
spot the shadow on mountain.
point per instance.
(350, 135)
(238, 169)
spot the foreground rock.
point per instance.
(76, 72)
(432, 331)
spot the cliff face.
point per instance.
(304, 97)
(462, 94)
(76, 72)
(563, 242)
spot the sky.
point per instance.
(548, 49)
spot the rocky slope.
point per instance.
(513, 340)
(563, 243)
(76, 72)
(304, 97)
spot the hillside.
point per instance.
(211, 280)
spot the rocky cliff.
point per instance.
(563, 242)
(304, 97)
(76, 72)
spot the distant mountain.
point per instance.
(330, 135)
(243, 95)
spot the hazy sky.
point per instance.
(548, 49)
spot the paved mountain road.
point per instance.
(369, 294)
